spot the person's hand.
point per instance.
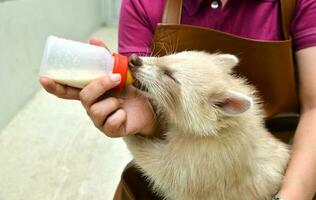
(115, 114)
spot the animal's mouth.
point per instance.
(140, 86)
(134, 63)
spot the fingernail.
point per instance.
(115, 77)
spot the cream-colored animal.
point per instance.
(216, 146)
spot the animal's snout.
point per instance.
(134, 62)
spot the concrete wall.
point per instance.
(24, 27)
(110, 11)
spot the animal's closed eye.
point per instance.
(170, 74)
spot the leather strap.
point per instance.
(172, 13)
(287, 13)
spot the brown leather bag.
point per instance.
(269, 65)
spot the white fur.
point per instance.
(206, 154)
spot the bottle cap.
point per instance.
(121, 67)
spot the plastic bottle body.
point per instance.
(77, 64)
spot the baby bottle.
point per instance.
(76, 64)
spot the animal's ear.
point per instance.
(227, 60)
(232, 103)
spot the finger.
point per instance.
(59, 90)
(98, 42)
(114, 125)
(91, 93)
(101, 110)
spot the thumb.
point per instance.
(98, 42)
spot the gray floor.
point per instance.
(51, 151)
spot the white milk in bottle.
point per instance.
(77, 64)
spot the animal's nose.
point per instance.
(134, 62)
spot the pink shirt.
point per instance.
(256, 19)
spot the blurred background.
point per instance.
(49, 149)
